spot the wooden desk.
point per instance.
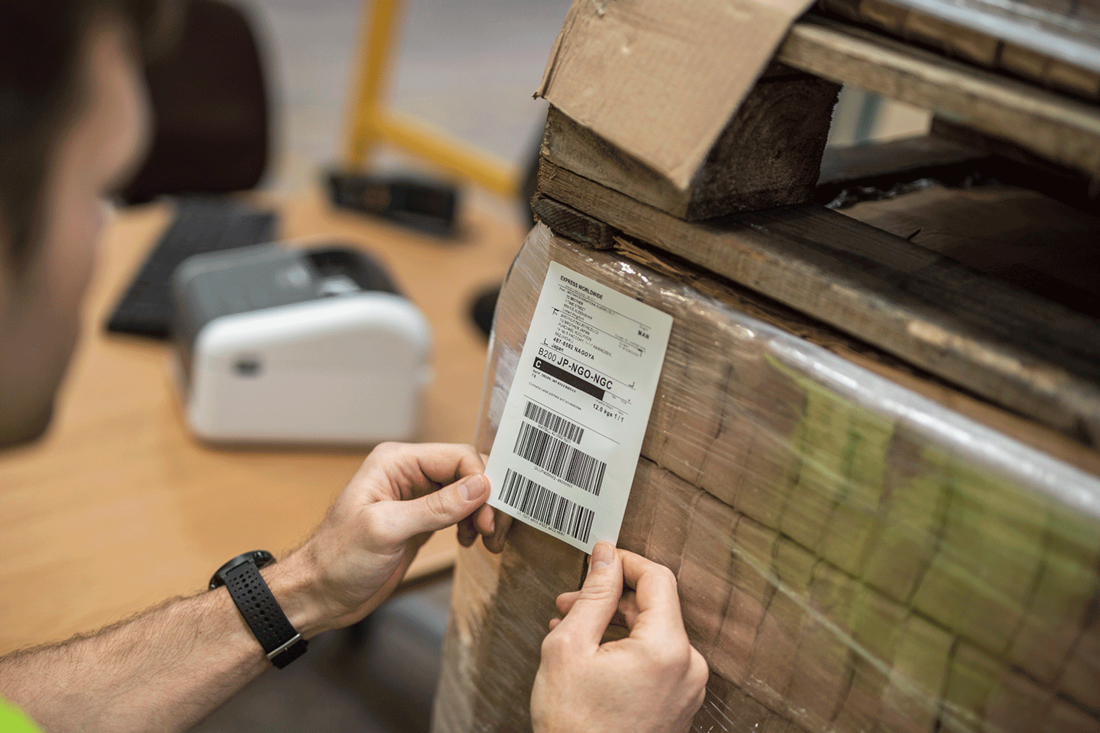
(118, 507)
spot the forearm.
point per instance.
(162, 671)
(169, 667)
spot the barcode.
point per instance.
(560, 458)
(545, 507)
(554, 423)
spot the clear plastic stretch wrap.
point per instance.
(852, 554)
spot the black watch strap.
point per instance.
(262, 613)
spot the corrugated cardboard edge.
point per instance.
(661, 80)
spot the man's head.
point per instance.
(74, 122)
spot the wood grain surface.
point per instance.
(1063, 130)
(119, 507)
(1024, 353)
(1054, 42)
(768, 155)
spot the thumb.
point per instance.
(437, 510)
(598, 598)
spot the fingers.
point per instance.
(467, 534)
(565, 601)
(654, 583)
(488, 523)
(658, 604)
(625, 615)
(597, 600)
(491, 524)
(484, 522)
(418, 469)
(497, 527)
(398, 521)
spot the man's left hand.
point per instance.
(356, 558)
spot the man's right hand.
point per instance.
(651, 681)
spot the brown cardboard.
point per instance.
(627, 70)
(706, 568)
(942, 589)
(825, 649)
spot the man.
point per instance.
(73, 123)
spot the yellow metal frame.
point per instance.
(372, 123)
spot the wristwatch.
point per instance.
(241, 576)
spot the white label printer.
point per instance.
(284, 345)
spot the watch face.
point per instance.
(262, 558)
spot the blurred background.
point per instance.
(467, 67)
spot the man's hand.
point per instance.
(490, 524)
(400, 495)
(651, 681)
(169, 667)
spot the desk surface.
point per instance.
(118, 507)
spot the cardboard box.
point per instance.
(621, 74)
(611, 58)
(896, 564)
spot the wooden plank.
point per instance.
(951, 39)
(1034, 357)
(953, 156)
(1063, 130)
(912, 156)
(1016, 165)
(1014, 235)
(882, 165)
(582, 228)
(768, 155)
(977, 44)
(1071, 78)
(1024, 61)
(1065, 32)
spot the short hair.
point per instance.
(41, 47)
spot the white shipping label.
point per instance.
(571, 433)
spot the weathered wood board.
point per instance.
(768, 155)
(1053, 42)
(1063, 130)
(1013, 235)
(1035, 357)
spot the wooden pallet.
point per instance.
(1059, 128)
(1035, 357)
(1053, 42)
(849, 557)
(841, 568)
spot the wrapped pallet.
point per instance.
(857, 548)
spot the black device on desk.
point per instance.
(199, 226)
(419, 204)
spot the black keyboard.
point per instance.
(200, 225)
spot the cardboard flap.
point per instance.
(661, 80)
